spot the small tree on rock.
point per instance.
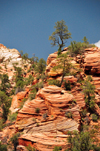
(88, 90)
(60, 35)
(64, 64)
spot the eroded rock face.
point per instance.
(16, 101)
(92, 61)
(52, 62)
(11, 54)
(51, 57)
(50, 126)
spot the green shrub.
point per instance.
(57, 148)
(88, 90)
(79, 141)
(55, 82)
(2, 124)
(39, 85)
(83, 113)
(32, 95)
(29, 148)
(37, 110)
(67, 85)
(5, 103)
(29, 70)
(5, 83)
(40, 66)
(3, 147)
(68, 114)
(43, 77)
(29, 80)
(20, 84)
(94, 117)
(12, 117)
(14, 140)
(22, 102)
(38, 77)
(76, 48)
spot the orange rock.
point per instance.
(51, 57)
(92, 63)
(49, 127)
(17, 100)
(72, 79)
(1, 45)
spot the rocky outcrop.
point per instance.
(54, 55)
(92, 61)
(7, 54)
(48, 127)
(17, 100)
(51, 57)
(53, 61)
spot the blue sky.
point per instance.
(27, 24)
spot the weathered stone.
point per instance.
(51, 120)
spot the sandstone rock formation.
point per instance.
(92, 61)
(48, 127)
(16, 101)
(7, 54)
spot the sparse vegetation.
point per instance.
(37, 110)
(67, 85)
(94, 117)
(12, 117)
(29, 148)
(5, 103)
(54, 82)
(3, 147)
(14, 140)
(57, 148)
(88, 90)
(68, 114)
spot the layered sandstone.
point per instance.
(49, 127)
(92, 61)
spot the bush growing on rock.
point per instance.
(37, 110)
(5, 103)
(79, 142)
(5, 83)
(55, 82)
(83, 113)
(3, 147)
(64, 64)
(29, 148)
(94, 117)
(12, 117)
(14, 140)
(67, 85)
(29, 80)
(68, 114)
(32, 95)
(40, 66)
(19, 77)
(88, 90)
(57, 148)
